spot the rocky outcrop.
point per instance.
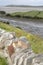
(18, 50)
(38, 60)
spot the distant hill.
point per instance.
(21, 6)
(17, 6)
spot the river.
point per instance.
(29, 26)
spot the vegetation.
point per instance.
(2, 12)
(18, 27)
(3, 61)
(9, 28)
(30, 14)
(6, 22)
(35, 41)
(8, 15)
(40, 15)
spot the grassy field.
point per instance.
(31, 14)
(3, 61)
(40, 15)
(35, 41)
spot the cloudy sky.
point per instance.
(21, 2)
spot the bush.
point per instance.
(30, 17)
(19, 27)
(6, 22)
(2, 12)
(8, 15)
(17, 16)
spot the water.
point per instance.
(33, 27)
(20, 9)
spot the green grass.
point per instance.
(3, 61)
(35, 41)
(18, 31)
(17, 13)
(40, 15)
(30, 14)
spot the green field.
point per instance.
(35, 41)
(40, 15)
(3, 61)
(31, 14)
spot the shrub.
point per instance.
(17, 16)
(6, 22)
(19, 27)
(2, 12)
(8, 15)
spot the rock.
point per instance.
(1, 45)
(7, 35)
(38, 60)
(10, 50)
(22, 58)
(23, 42)
(23, 38)
(17, 58)
(28, 59)
(7, 43)
(13, 33)
(1, 32)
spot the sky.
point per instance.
(21, 2)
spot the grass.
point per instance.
(30, 14)
(3, 61)
(17, 13)
(9, 28)
(35, 41)
(40, 15)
